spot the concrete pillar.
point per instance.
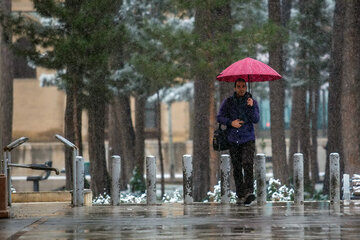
(260, 176)
(346, 188)
(334, 178)
(298, 178)
(225, 178)
(79, 181)
(188, 179)
(115, 180)
(4, 211)
(151, 180)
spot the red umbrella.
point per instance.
(250, 70)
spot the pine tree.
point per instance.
(77, 38)
(143, 65)
(335, 88)
(312, 36)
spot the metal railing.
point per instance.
(6, 162)
(75, 154)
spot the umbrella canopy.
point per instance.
(250, 70)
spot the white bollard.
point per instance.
(115, 180)
(334, 178)
(79, 193)
(225, 178)
(188, 179)
(346, 188)
(299, 178)
(151, 180)
(260, 176)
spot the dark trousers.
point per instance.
(242, 157)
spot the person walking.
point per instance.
(239, 112)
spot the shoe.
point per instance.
(249, 198)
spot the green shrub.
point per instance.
(137, 182)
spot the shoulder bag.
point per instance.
(220, 142)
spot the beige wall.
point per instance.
(180, 121)
(22, 5)
(38, 112)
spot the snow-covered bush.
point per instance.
(101, 199)
(176, 197)
(125, 197)
(131, 198)
(216, 195)
(278, 192)
(275, 192)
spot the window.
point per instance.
(151, 120)
(21, 65)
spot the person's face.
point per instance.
(240, 88)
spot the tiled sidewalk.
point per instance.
(315, 220)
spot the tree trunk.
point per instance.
(314, 119)
(335, 91)
(302, 72)
(128, 140)
(140, 133)
(201, 139)
(277, 99)
(158, 114)
(214, 156)
(77, 119)
(350, 107)
(223, 16)
(6, 82)
(114, 132)
(72, 129)
(286, 6)
(100, 182)
(69, 135)
(304, 123)
(222, 29)
(202, 110)
(294, 127)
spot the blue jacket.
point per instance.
(233, 108)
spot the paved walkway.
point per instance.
(315, 220)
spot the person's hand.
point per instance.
(237, 123)
(250, 102)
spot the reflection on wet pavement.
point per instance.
(314, 220)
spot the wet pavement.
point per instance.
(314, 220)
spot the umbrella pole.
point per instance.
(249, 84)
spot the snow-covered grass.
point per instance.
(275, 192)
